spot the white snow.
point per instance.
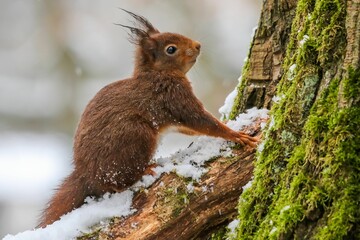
(204, 189)
(291, 72)
(233, 224)
(272, 122)
(254, 31)
(232, 227)
(78, 221)
(273, 230)
(229, 103)
(190, 187)
(248, 185)
(261, 146)
(277, 99)
(284, 209)
(305, 38)
(187, 162)
(292, 67)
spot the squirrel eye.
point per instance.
(171, 50)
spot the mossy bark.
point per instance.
(307, 174)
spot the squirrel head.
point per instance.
(161, 51)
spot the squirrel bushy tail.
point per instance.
(69, 195)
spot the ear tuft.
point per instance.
(142, 28)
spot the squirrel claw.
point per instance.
(245, 139)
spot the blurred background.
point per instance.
(55, 55)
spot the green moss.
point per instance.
(330, 16)
(219, 234)
(313, 139)
(94, 235)
(172, 198)
(177, 198)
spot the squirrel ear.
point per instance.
(136, 35)
(149, 46)
(143, 22)
(143, 28)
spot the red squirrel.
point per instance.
(119, 130)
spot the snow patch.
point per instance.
(248, 185)
(261, 146)
(284, 209)
(247, 118)
(232, 227)
(272, 122)
(291, 72)
(292, 68)
(304, 40)
(190, 187)
(229, 103)
(273, 230)
(78, 221)
(253, 31)
(277, 99)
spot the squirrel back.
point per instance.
(119, 129)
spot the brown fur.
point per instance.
(118, 131)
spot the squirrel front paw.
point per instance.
(244, 139)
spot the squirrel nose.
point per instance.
(197, 45)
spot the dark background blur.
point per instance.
(55, 55)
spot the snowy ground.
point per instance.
(187, 162)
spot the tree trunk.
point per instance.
(307, 176)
